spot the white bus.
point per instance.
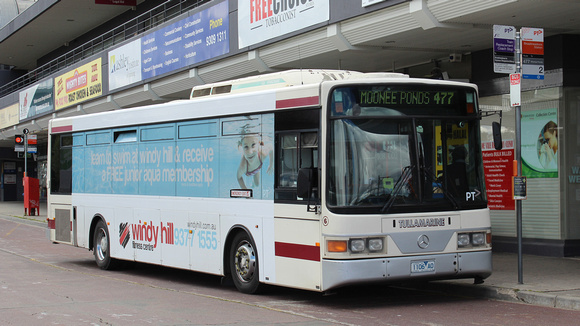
(308, 179)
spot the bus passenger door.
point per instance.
(297, 230)
(62, 215)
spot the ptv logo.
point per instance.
(471, 195)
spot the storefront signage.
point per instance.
(575, 176)
(125, 65)
(78, 85)
(498, 175)
(539, 149)
(262, 20)
(197, 38)
(36, 100)
(117, 2)
(9, 116)
(9, 179)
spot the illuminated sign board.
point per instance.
(388, 99)
(407, 97)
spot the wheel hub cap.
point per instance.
(245, 261)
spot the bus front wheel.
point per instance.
(244, 264)
(102, 247)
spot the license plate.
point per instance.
(422, 266)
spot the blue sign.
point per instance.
(194, 39)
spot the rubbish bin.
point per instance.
(31, 196)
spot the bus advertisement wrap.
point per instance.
(195, 165)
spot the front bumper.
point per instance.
(337, 273)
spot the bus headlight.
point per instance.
(472, 239)
(375, 245)
(463, 240)
(357, 245)
(478, 239)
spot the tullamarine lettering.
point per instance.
(421, 223)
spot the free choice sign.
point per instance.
(261, 20)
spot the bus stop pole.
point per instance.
(519, 163)
(518, 201)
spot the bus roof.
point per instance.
(282, 79)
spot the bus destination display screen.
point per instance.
(406, 97)
(402, 100)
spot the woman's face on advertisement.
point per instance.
(551, 138)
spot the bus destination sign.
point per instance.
(407, 97)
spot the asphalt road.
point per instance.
(46, 284)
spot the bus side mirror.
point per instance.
(496, 130)
(306, 182)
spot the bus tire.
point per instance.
(102, 247)
(244, 264)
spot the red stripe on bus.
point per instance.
(298, 251)
(297, 102)
(62, 128)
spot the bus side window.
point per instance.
(288, 160)
(309, 150)
(61, 169)
(296, 148)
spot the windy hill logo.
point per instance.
(124, 234)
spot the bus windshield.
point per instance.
(404, 148)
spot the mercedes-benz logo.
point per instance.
(423, 241)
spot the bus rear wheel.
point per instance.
(102, 247)
(244, 264)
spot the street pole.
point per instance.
(519, 163)
(25, 131)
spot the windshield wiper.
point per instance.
(398, 186)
